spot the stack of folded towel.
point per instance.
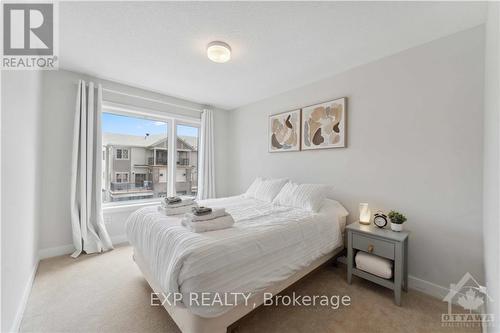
(177, 206)
(205, 219)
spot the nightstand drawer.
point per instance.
(373, 246)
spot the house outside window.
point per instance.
(186, 174)
(136, 157)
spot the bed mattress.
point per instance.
(267, 244)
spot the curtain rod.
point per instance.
(150, 99)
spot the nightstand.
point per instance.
(384, 243)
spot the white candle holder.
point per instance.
(365, 214)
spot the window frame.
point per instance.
(122, 150)
(122, 173)
(171, 120)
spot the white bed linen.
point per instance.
(267, 244)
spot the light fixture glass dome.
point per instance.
(219, 52)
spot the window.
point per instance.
(121, 154)
(140, 178)
(121, 177)
(133, 158)
(137, 161)
(186, 175)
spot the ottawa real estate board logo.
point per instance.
(30, 39)
(473, 298)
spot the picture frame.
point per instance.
(284, 131)
(323, 125)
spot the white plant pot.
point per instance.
(396, 227)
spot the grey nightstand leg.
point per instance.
(349, 257)
(405, 276)
(398, 272)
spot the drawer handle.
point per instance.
(370, 248)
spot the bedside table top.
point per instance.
(371, 229)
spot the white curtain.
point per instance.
(206, 172)
(89, 232)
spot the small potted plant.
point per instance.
(397, 220)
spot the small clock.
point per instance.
(380, 219)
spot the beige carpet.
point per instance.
(107, 293)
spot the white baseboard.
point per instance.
(68, 249)
(427, 287)
(16, 325)
(56, 251)
(415, 283)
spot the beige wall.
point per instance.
(414, 135)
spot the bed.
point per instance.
(269, 248)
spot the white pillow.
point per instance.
(265, 189)
(305, 196)
(252, 190)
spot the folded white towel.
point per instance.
(184, 202)
(374, 264)
(169, 211)
(219, 223)
(217, 212)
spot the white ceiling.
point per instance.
(277, 46)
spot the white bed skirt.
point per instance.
(191, 323)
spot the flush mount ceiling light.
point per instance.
(219, 52)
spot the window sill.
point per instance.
(116, 207)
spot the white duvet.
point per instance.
(267, 244)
